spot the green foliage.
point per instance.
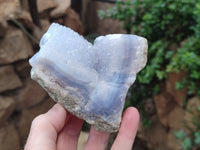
(195, 119)
(146, 122)
(189, 142)
(172, 28)
(186, 142)
(121, 11)
(187, 58)
(197, 138)
(180, 135)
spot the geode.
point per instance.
(90, 80)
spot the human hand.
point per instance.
(59, 130)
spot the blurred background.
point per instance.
(166, 92)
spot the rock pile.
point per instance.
(171, 115)
(22, 99)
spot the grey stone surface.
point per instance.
(7, 106)
(9, 138)
(9, 79)
(30, 95)
(15, 46)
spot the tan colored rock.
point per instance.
(30, 95)
(45, 24)
(61, 9)
(8, 79)
(37, 32)
(15, 46)
(7, 106)
(164, 105)
(191, 112)
(25, 19)
(27, 115)
(178, 95)
(169, 112)
(3, 28)
(176, 117)
(9, 9)
(9, 138)
(44, 5)
(155, 136)
(172, 142)
(192, 105)
(24, 5)
(72, 20)
(189, 120)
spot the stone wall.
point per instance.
(21, 98)
(92, 23)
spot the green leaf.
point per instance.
(180, 134)
(172, 6)
(198, 108)
(160, 74)
(101, 14)
(186, 143)
(197, 138)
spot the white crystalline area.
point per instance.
(61, 43)
(110, 55)
(89, 80)
(71, 53)
(121, 54)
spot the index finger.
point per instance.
(44, 129)
(128, 130)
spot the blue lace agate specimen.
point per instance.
(89, 80)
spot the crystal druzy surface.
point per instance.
(89, 80)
